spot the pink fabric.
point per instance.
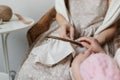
(99, 67)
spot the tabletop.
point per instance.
(14, 24)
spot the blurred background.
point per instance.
(17, 41)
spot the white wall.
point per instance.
(17, 42)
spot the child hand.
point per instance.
(82, 56)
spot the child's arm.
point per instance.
(66, 29)
(93, 46)
(107, 34)
(77, 62)
(76, 69)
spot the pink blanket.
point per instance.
(99, 67)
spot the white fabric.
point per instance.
(61, 8)
(51, 51)
(112, 15)
(117, 57)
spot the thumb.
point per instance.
(88, 52)
(86, 45)
(72, 33)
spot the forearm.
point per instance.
(76, 71)
(61, 20)
(76, 66)
(107, 34)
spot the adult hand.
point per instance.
(67, 31)
(92, 43)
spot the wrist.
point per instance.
(101, 50)
(99, 41)
(64, 24)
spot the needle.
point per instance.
(67, 40)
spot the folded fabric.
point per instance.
(51, 51)
(117, 57)
(99, 67)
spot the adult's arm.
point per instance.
(65, 27)
(61, 20)
(107, 34)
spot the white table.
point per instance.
(5, 29)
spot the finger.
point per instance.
(84, 55)
(72, 33)
(88, 52)
(79, 55)
(62, 32)
(85, 44)
(87, 39)
(66, 37)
